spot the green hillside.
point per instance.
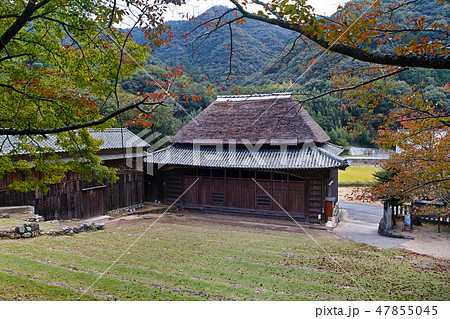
(264, 60)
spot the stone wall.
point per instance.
(29, 230)
(22, 231)
(76, 229)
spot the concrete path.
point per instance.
(359, 222)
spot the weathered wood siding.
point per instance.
(76, 198)
(302, 194)
(173, 185)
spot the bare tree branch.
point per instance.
(231, 50)
(347, 88)
(430, 61)
(430, 115)
(10, 57)
(112, 15)
(20, 22)
(45, 131)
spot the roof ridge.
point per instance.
(262, 96)
(110, 129)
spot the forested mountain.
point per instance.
(254, 45)
(266, 59)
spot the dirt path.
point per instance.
(186, 217)
(427, 241)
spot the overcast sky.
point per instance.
(196, 7)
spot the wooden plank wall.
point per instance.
(80, 199)
(173, 185)
(303, 197)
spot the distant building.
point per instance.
(74, 197)
(367, 155)
(369, 152)
(251, 155)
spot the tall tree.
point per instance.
(61, 63)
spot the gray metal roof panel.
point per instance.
(295, 158)
(113, 138)
(332, 148)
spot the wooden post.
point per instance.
(439, 223)
(394, 214)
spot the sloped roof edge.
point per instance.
(113, 138)
(296, 158)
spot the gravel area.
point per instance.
(427, 241)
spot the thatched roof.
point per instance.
(254, 118)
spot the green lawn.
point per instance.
(357, 176)
(182, 260)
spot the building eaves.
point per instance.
(273, 158)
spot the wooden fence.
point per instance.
(80, 199)
(399, 211)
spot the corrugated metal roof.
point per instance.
(268, 158)
(332, 148)
(113, 138)
(370, 152)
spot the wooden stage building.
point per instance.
(257, 155)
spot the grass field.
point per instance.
(181, 259)
(357, 176)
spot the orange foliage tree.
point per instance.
(383, 43)
(419, 132)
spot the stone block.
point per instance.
(100, 226)
(20, 229)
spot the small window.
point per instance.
(204, 172)
(263, 200)
(189, 172)
(218, 197)
(262, 175)
(248, 174)
(232, 173)
(279, 177)
(218, 173)
(295, 178)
